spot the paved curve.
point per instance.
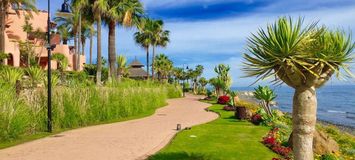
(135, 139)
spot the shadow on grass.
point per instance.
(179, 156)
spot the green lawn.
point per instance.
(223, 139)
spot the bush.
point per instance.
(256, 119)
(223, 100)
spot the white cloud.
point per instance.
(226, 36)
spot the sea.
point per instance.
(336, 103)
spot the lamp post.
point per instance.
(50, 47)
(183, 83)
(49, 74)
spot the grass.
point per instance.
(224, 138)
(23, 117)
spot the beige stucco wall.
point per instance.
(15, 33)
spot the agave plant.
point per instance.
(36, 74)
(305, 58)
(233, 94)
(11, 75)
(266, 96)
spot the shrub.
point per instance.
(223, 99)
(256, 119)
(328, 157)
(229, 108)
(11, 75)
(36, 75)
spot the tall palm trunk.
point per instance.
(153, 59)
(112, 49)
(147, 50)
(2, 26)
(304, 120)
(99, 58)
(76, 50)
(79, 43)
(91, 45)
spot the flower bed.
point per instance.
(272, 142)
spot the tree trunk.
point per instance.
(76, 52)
(147, 50)
(99, 59)
(91, 45)
(79, 43)
(153, 62)
(304, 120)
(2, 27)
(112, 49)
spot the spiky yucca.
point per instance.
(305, 58)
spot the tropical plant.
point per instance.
(163, 66)
(160, 37)
(61, 60)
(122, 67)
(218, 84)
(266, 96)
(36, 75)
(29, 6)
(71, 23)
(3, 56)
(11, 75)
(195, 74)
(305, 58)
(223, 74)
(125, 13)
(64, 32)
(203, 83)
(233, 95)
(144, 37)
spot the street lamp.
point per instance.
(64, 12)
(183, 84)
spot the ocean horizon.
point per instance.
(336, 103)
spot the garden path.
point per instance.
(134, 139)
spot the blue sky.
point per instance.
(209, 32)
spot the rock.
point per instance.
(249, 113)
(322, 143)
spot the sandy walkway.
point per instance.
(133, 139)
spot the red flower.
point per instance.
(223, 99)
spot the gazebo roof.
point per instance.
(137, 73)
(136, 64)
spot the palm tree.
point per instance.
(163, 66)
(144, 37)
(125, 13)
(266, 96)
(203, 82)
(218, 84)
(195, 75)
(72, 24)
(179, 74)
(92, 34)
(64, 32)
(160, 37)
(4, 6)
(305, 58)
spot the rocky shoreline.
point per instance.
(249, 96)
